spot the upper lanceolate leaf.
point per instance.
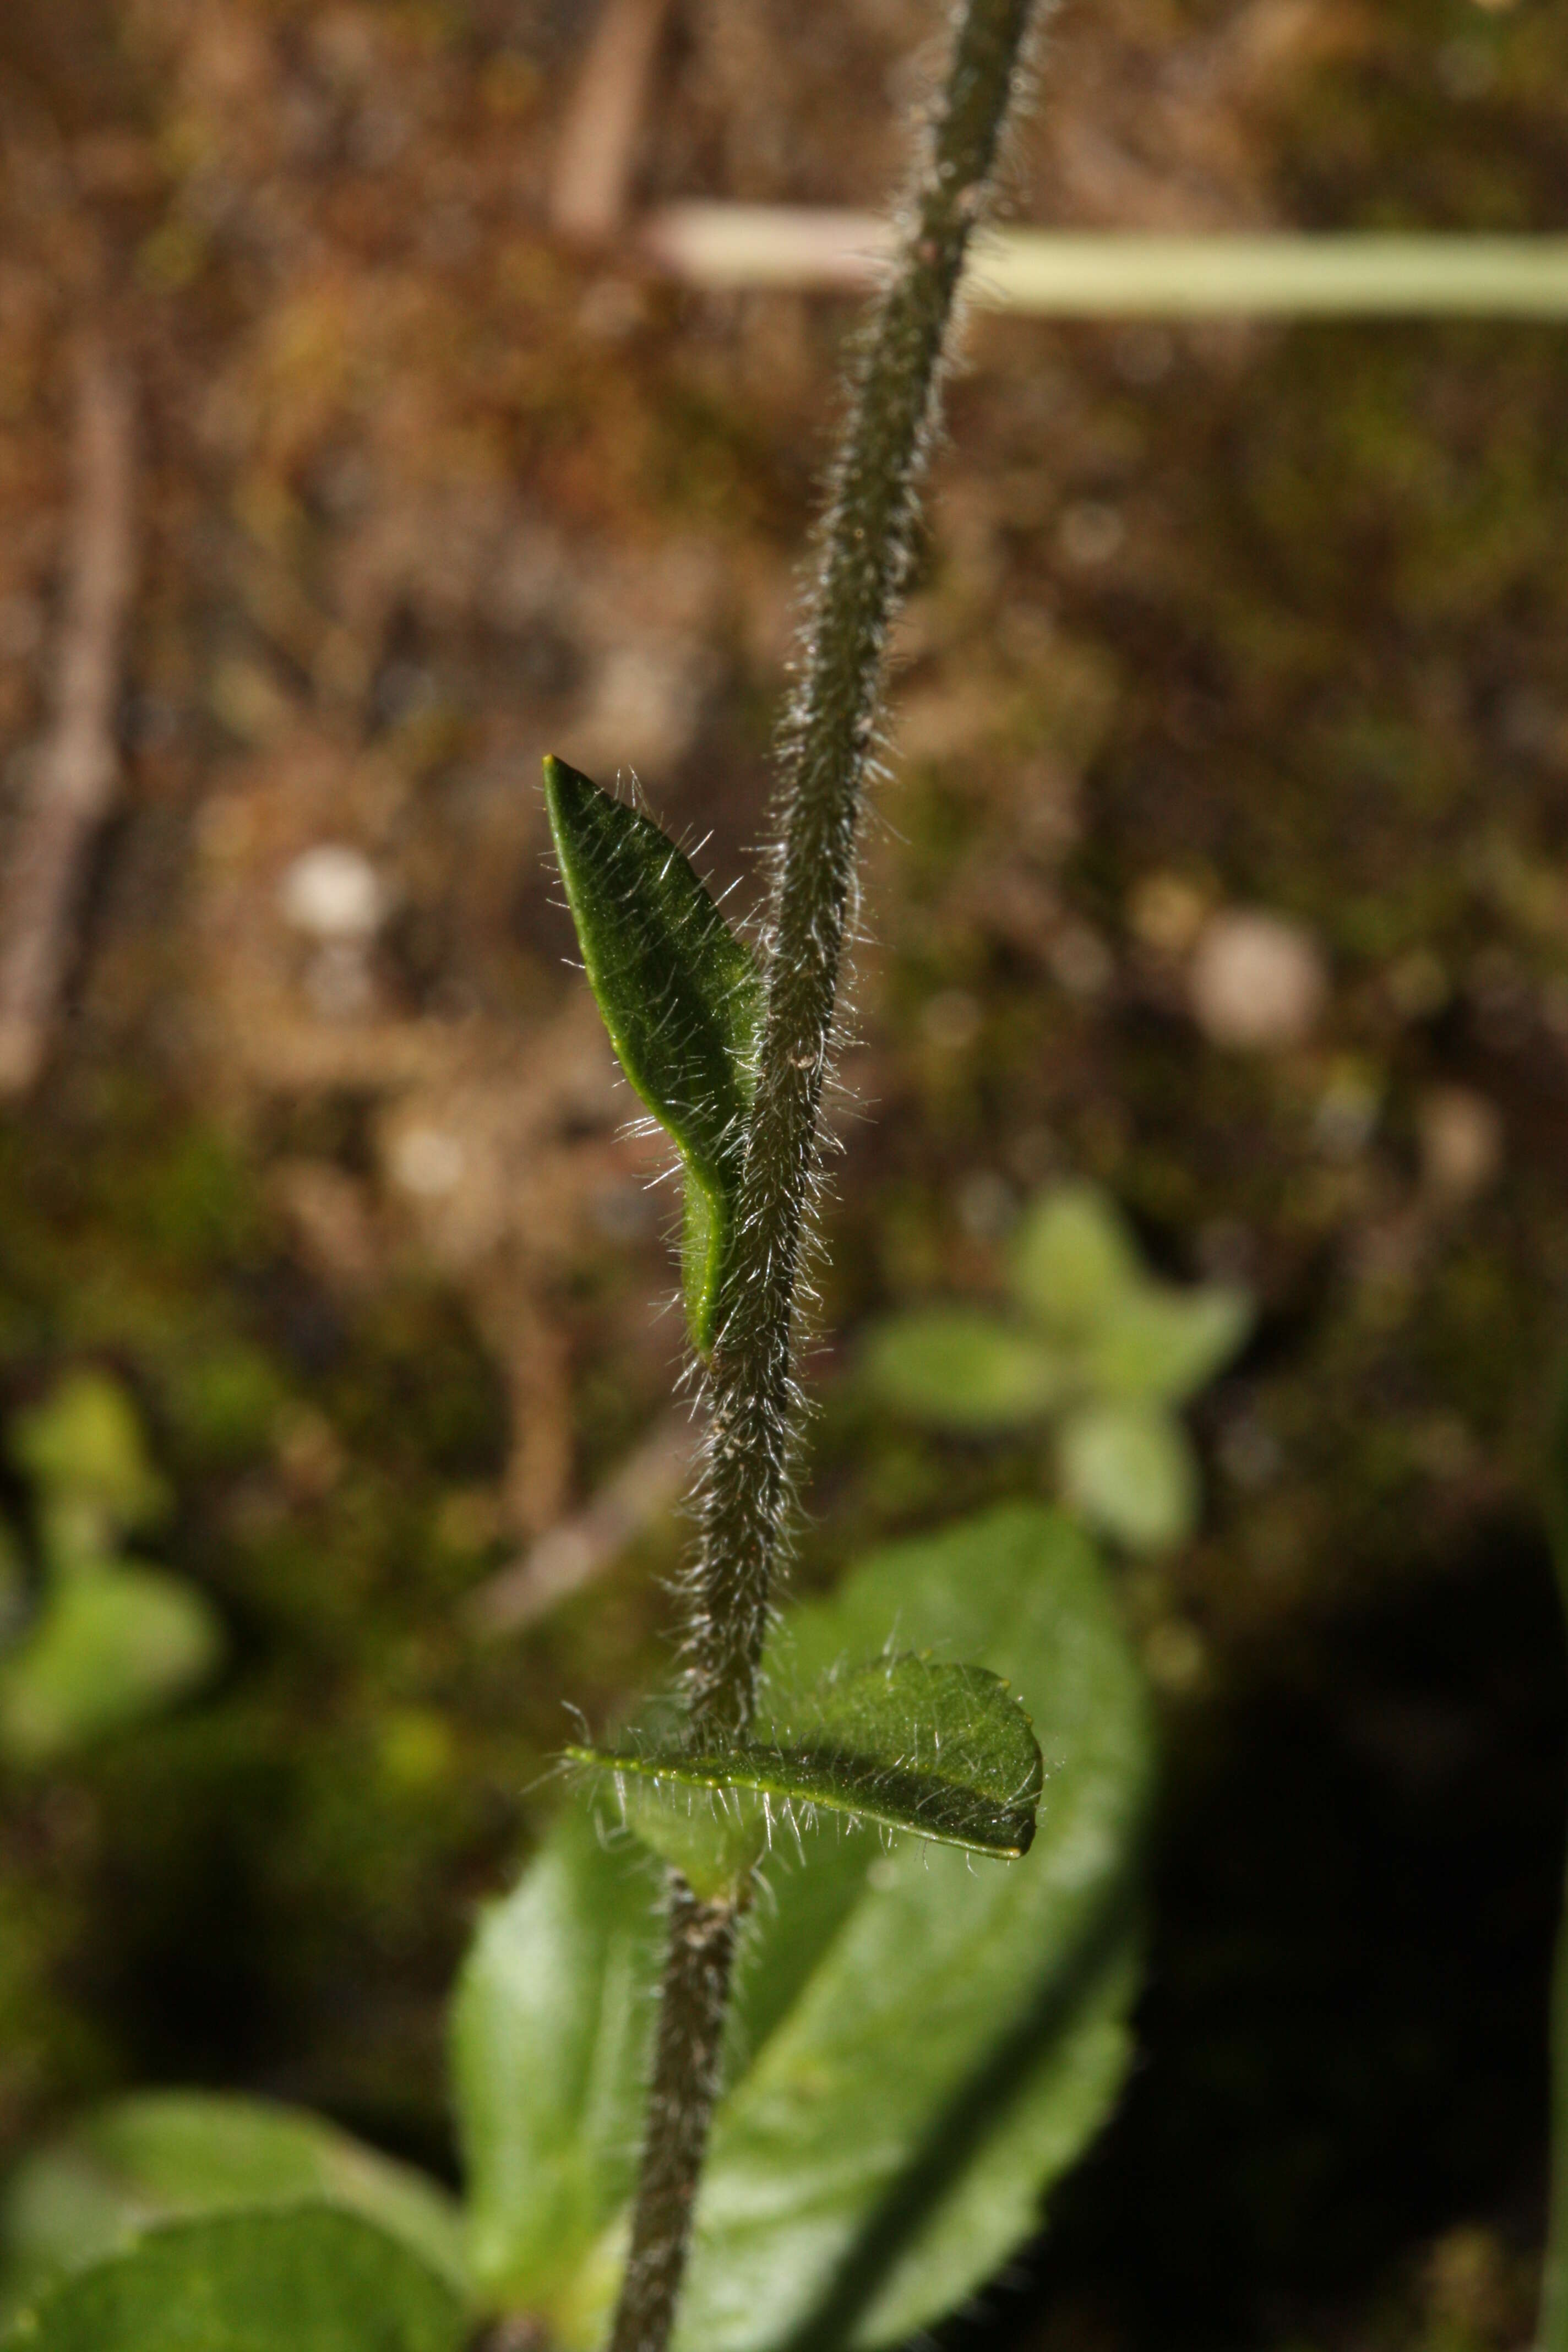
(943, 1750)
(303, 2280)
(680, 996)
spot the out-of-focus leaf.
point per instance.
(166, 2156)
(108, 1646)
(962, 2226)
(13, 1587)
(919, 2046)
(1130, 1470)
(551, 2031)
(680, 996)
(308, 2279)
(1074, 1258)
(1165, 1344)
(83, 1446)
(958, 1367)
(911, 1743)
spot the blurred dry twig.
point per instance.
(72, 783)
(580, 1548)
(597, 154)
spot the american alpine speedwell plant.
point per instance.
(920, 2039)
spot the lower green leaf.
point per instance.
(958, 1367)
(551, 2031)
(164, 2156)
(110, 1646)
(306, 2280)
(1074, 1258)
(918, 2048)
(1130, 1471)
(910, 1743)
(957, 2023)
(1045, 2097)
(83, 1445)
(1161, 1342)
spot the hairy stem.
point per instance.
(681, 2101)
(829, 736)
(828, 741)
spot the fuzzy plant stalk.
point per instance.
(827, 751)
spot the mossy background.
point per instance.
(1220, 616)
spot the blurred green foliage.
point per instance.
(1096, 1344)
(108, 1640)
(198, 1895)
(979, 2019)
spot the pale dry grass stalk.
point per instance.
(74, 778)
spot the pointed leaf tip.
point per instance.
(680, 996)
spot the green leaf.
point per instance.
(550, 2030)
(108, 1646)
(1074, 1259)
(957, 1368)
(83, 1446)
(712, 1832)
(304, 2280)
(680, 996)
(941, 1750)
(919, 2047)
(1130, 1470)
(13, 1588)
(166, 2156)
(1164, 1344)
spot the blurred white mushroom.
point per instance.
(1258, 981)
(428, 1162)
(334, 897)
(332, 892)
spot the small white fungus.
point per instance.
(332, 892)
(1258, 981)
